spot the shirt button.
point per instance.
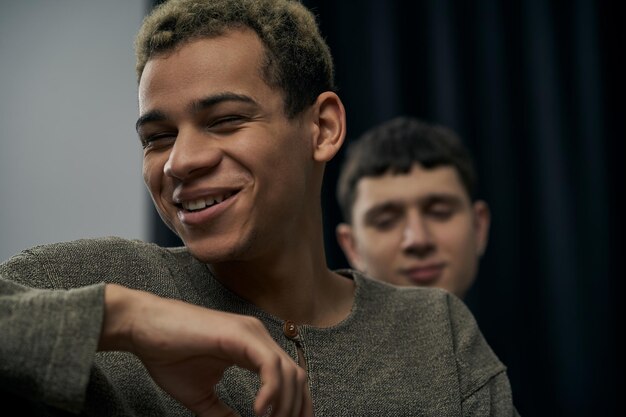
(290, 329)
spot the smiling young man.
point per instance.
(407, 193)
(237, 118)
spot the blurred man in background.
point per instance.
(411, 217)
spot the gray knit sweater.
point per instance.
(401, 352)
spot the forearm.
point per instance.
(49, 338)
(185, 348)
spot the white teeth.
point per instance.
(202, 203)
(194, 204)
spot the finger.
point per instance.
(302, 388)
(287, 394)
(301, 392)
(287, 403)
(307, 403)
(271, 381)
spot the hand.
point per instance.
(187, 348)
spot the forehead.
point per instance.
(230, 62)
(416, 184)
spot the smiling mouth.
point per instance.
(205, 202)
(424, 275)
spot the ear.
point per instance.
(346, 240)
(330, 126)
(482, 221)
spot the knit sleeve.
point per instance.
(48, 337)
(491, 399)
(485, 387)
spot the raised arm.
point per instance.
(187, 348)
(50, 337)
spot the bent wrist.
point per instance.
(121, 306)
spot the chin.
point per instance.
(212, 251)
(210, 254)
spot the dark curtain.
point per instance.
(535, 89)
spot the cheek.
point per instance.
(458, 238)
(284, 173)
(152, 171)
(380, 247)
(153, 178)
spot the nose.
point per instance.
(192, 154)
(417, 237)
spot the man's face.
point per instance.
(226, 169)
(418, 228)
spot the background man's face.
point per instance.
(418, 228)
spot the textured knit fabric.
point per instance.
(400, 352)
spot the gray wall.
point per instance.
(70, 161)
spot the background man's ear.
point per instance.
(346, 241)
(482, 222)
(330, 118)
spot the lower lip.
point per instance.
(424, 276)
(200, 217)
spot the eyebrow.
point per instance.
(215, 99)
(442, 198)
(195, 107)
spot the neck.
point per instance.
(292, 283)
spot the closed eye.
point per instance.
(157, 139)
(441, 214)
(384, 222)
(227, 123)
(383, 217)
(442, 210)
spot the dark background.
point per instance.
(535, 90)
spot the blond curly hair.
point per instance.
(297, 59)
